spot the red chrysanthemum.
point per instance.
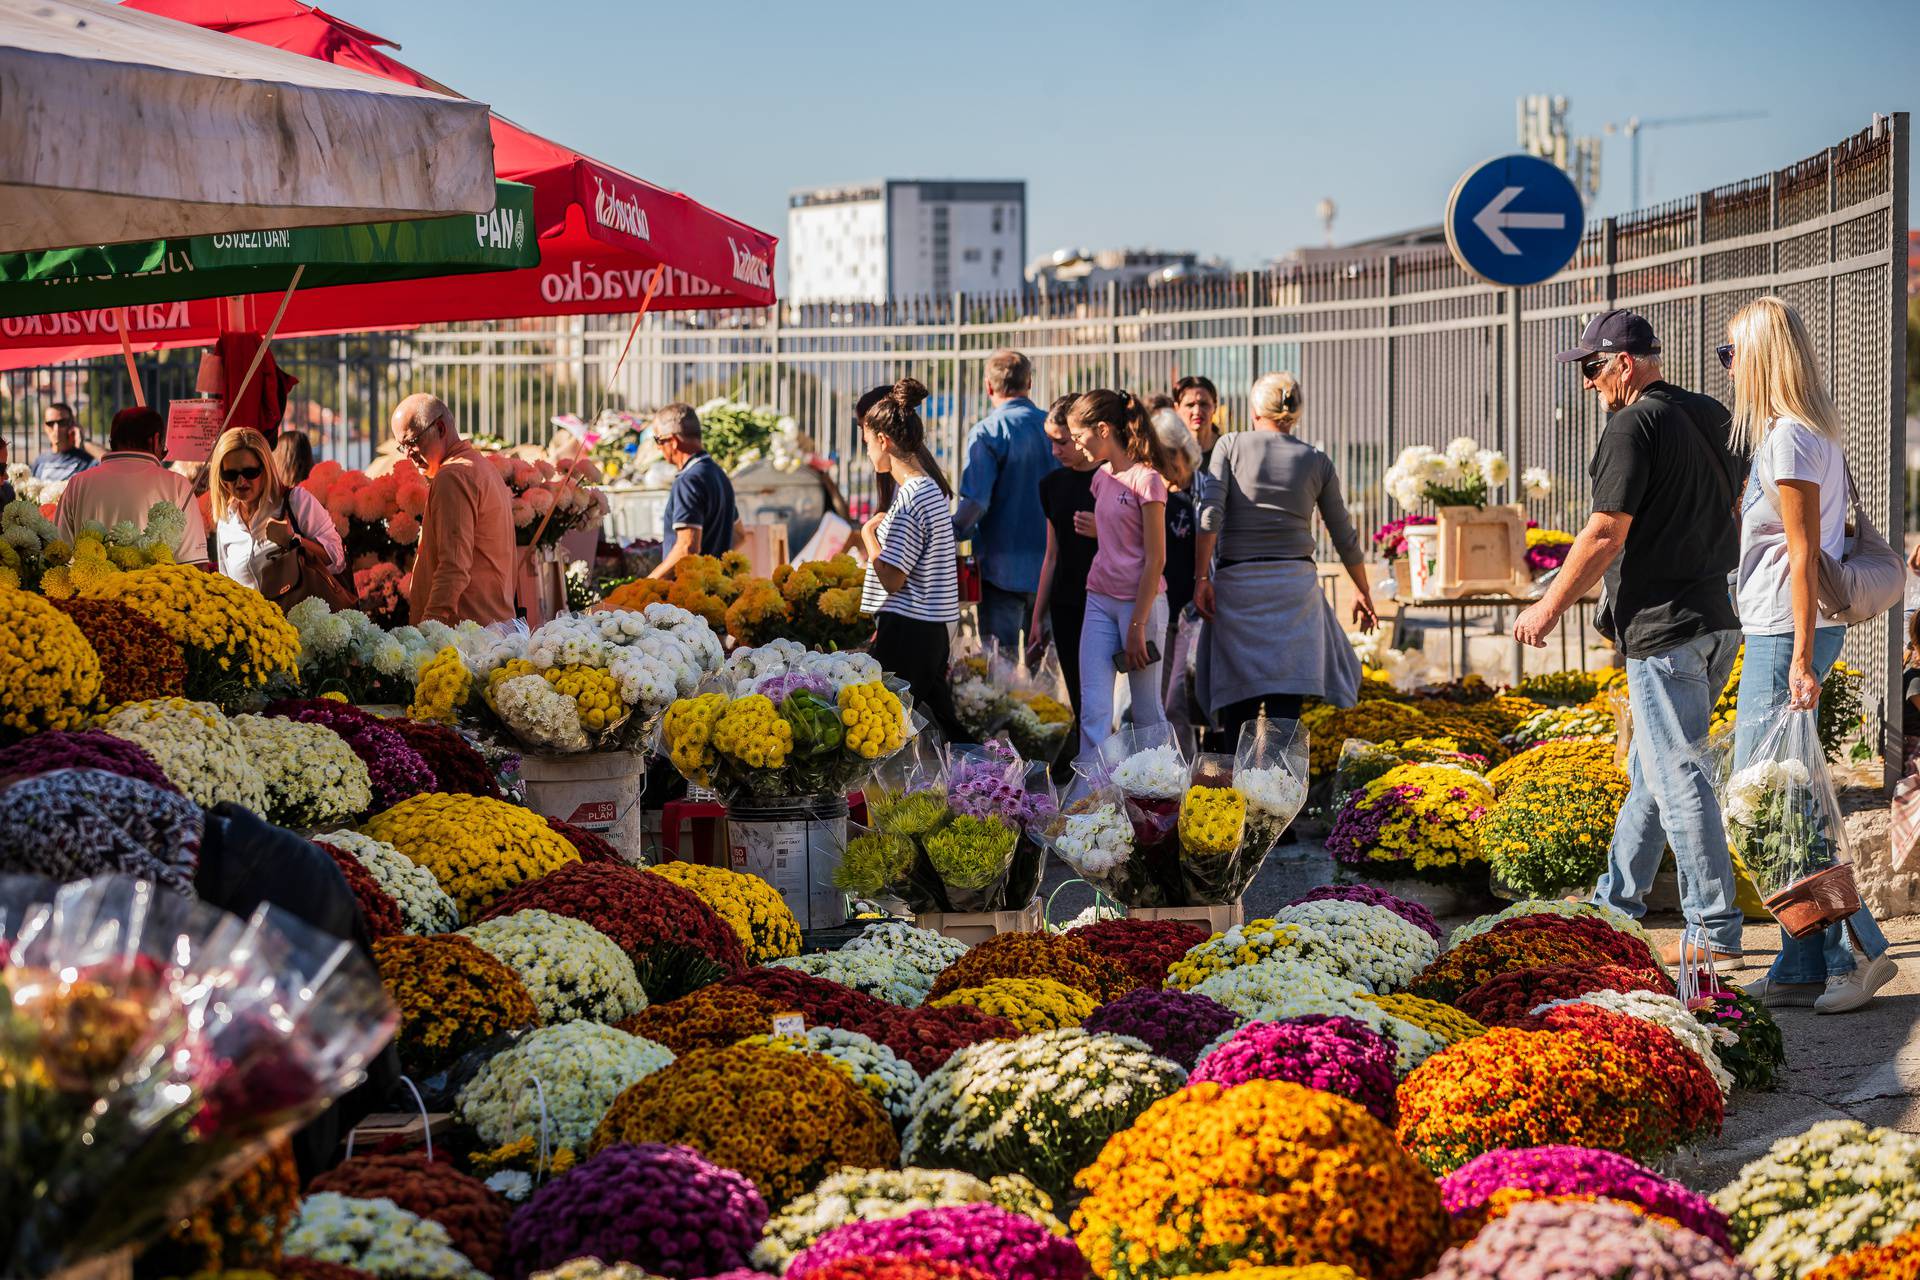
(1145, 948)
(1060, 956)
(138, 660)
(1523, 943)
(592, 846)
(824, 1002)
(458, 766)
(475, 1218)
(926, 1037)
(377, 906)
(1683, 1079)
(1509, 998)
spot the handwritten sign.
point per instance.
(193, 426)
(789, 1024)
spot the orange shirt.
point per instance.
(465, 565)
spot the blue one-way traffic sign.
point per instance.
(1514, 221)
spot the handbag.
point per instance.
(287, 577)
(1868, 578)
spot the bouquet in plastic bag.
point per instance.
(1092, 834)
(980, 682)
(150, 1048)
(1270, 768)
(1784, 825)
(993, 783)
(1038, 717)
(1149, 768)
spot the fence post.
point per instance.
(1895, 514)
(1386, 361)
(1113, 334)
(776, 391)
(1512, 379)
(1253, 328)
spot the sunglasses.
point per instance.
(1725, 352)
(1591, 368)
(59, 422)
(241, 473)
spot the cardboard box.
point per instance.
(1213, 919)
(974, 927)
(1483, 552)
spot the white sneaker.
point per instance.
(1854, 989)
(1784, 995)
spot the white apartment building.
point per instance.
(898, 238)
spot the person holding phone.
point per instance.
(1126, 594)
(1066, 495)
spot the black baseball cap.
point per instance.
(1612, 332)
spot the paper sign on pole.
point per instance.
(193, 426)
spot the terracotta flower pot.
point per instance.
(1810, 904)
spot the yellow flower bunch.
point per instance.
(1567, 688)
(1212, 820)
(522, 1153)
(750, 906)
(1245, 944)
(1441, 1020)
(1557, 760)
(1374, 720)
(475, 847)
(1045, 709)
(1031, 1004)
(594, 691)
(688, 729)
(751, 731)
(1549, 538)
(508, 670)
(230, 632)
(636, 595)
(444, 685)
(875, 720)
(842, 604)
(1423, 815)
(756, 613)
(49, 674)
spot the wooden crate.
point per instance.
(1213, 919)
(974, 927)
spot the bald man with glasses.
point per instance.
(65, 457)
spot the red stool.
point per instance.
(708, 820)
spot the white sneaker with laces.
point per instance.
(1784, 995)
(1855, 989)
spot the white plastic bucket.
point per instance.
(598, 790)
(794, 844)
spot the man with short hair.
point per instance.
(65, 457)
(1664, 535)
(1007, 457)
(701, 518)
(464, 569)
(125, 484)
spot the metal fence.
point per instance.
(1392, 348)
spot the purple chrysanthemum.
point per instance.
(83, 749)
(1335, 1055)
(1578, 1171)
(1003, 1244)
(395, 769)
(1175, 1024)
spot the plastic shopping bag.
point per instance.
(1784, 825)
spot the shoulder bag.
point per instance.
(287, 576)
(1869, 577)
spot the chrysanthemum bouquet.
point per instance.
(1832, 1189)
(1458, 476)
(876, 1195)
(797, 737)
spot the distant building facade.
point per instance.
(1096, 268)
(902, 238)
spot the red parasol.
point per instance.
(603, 233)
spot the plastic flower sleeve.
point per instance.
(1213, 828)
(1270, 767)
(152, 1046)
(1094, 837)
(1783, 823)
(1039, 716)
(1029, 859)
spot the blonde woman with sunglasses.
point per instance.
(1794, 507)
(255, 514)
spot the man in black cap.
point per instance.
(1664, 535)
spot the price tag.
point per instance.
(789, 1024)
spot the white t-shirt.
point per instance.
(1791, 451)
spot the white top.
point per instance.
(1791, 451)
(917, 539)
(244, 547)
(123, 486)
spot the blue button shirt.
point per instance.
(702, 495)
(1007, 456)
(64, 465)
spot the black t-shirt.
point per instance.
(1664, 460)
(1181, 527)
(1909, 717)
(1064, 491)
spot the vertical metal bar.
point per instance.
(1829, 358)
(1113, 334)
(1391, 449)
(1895, 513)
(1700, 343)
(1512, 378)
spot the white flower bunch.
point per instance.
(539, 714)
(1276, 989)
(745, 669)
(1273, 794)
(324, 634)
(876, 1195)
(977, 701)
(692, 630)
(1667, 1013)
(1041, 1105)
(195, 746)
(1462, 450)
(1095, 842)
(1377, 948)
(892, 1083)
(1837, 1187)
(378, 1237)
(569, 640)
(1535, 482)
(1158, 773)
(1750, 792)
(1612, 917)
(875, 972)
(576, 1268)
(843, 670)
(922, 953)
(32, 492)
(424, 905)
(572, 970)
(1493, 466)
(313, 778)
(581, 1068)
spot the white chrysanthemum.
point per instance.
(572, 970)
(1837, 1187)
(1535, 482)
(539, 714)
(878, 974)
(378, 1237)
(313, 777)
(1096, 842)
(1158, 773)
(1378, 948)
(891, 1082)
(581, 1068)
(196, 747)
(425, 907)
(1493, 466)
(921, 951)
(1276, 989)
(1462, 450)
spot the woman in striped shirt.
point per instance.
(912, 586)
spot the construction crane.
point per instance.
(1635, 124)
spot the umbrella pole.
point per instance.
(259, 352)
(126, 352)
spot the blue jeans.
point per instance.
(1102, 635)
(1763, 691)
(1670, 797)
(1005, 617)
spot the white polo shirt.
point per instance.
(124, 485)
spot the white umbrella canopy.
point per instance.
(118, 125)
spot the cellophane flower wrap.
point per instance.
(751, 907)
(992, 782)
(749, 746)
(1062, 957)
(376, 1237)
(1093, 835)
(1491, 1184)
(196, 746)
(1175, 1025)
(875, 1195)
(1151, 773)
(981, 702)
(1006, 1245)
(1415, 820)
(889, 1081)
(1183, 1190)
(83, 749)
(312, 776)
(1270, 772)
(1582, 1241)
(667, 1208)
(1332, 1054)
(1837, 1187)
(153, 1045)
(475, 1218)
(571, 969)
(581, 1066)
(424, 906)
(1527, 941)
(477, 849)
(1783, 820)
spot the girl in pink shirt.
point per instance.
(1126, 596)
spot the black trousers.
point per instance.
(917, 652)
(1235, 715)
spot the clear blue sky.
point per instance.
(1199, 125)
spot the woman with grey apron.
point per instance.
(1271, 639)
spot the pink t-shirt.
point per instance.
(1117, 500)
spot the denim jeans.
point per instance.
(1670, 797)
(1763, 691)
(1103, 634)
(1005, 617)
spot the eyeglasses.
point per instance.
(1591, 368)
(1725, 352)
(59, 422)
(241, 473)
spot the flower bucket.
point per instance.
(1809, 905)
(598, 790)
(794, 844)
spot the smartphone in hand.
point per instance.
(1120, 658)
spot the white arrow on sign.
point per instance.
(1494, 219)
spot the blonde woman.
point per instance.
(255, 514)
(1795, 507)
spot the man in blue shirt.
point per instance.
(64, 458)
(1007, 456)
(701, 519)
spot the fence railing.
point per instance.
(1392, 349)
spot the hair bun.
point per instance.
(908, 393)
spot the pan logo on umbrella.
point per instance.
(749, 267)
(622, 215)
(501, 228)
